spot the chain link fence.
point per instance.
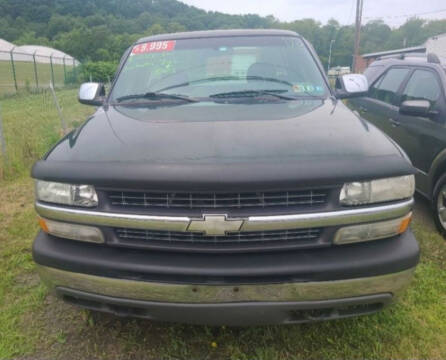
(24, 71)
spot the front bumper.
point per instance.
(237, 289)
(228, 305)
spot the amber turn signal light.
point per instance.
(405, 223)
(43, 225)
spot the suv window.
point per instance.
(373, 71)
(386, 87)
(422, 85)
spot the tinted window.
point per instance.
(422, 85)
(372, 72)
(386, 87)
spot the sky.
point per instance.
(393, 12)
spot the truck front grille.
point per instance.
(134, 199)
(232, 241)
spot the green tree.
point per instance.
(30, 38)
(103, 29)
(100, 71)
(375, 35)
(155, 29)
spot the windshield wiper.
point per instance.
(268, 79)
(227, 78)
(156, 96)
(199, 81)
(253, 93)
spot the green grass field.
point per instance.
(36, 325)
(26, 77)
(31, 125)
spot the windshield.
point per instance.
(213, 68)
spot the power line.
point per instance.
(406, 15)
(351, 12)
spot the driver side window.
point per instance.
(386, 88)
(422, 85)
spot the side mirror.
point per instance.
(351, 85)
(416, 108)
(92, 94)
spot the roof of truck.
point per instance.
(217, 33)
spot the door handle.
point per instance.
(395, 123)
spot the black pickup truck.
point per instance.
(222, 181)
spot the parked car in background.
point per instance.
(407, 101)
(221, 181)
(338, 71)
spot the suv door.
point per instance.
(380, 106)
(423, 138)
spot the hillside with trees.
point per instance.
(100, 30)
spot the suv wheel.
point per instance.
(439, 204)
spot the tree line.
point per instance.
(101, 30)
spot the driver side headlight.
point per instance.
(376, 191)
(66, 194)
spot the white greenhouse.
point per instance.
(42, 54)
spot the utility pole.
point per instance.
(329, 55)
(359, 5)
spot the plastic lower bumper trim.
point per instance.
(232, 314)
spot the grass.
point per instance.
(34, 324)
(26, 78)
(31, 124)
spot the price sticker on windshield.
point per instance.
(154, 46)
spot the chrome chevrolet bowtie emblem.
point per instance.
(215, 225)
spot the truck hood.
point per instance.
(220, 144)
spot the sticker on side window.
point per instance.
(154, 46)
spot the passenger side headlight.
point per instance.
(375, 191)
(72, 231)
(66, 194)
